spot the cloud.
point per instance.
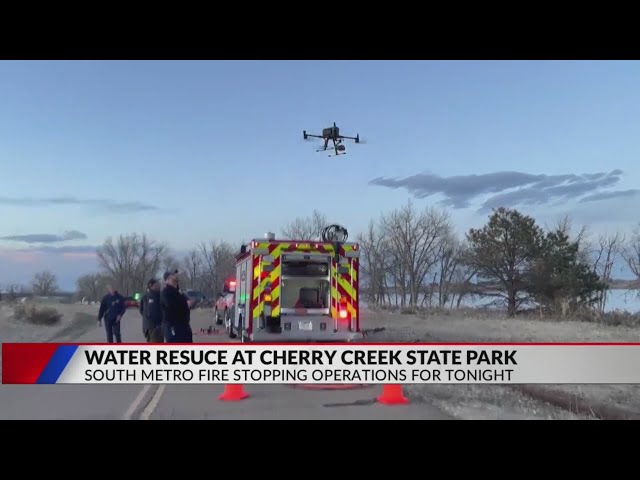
(610, 195)
(47, 249)
(18, 265)
(107, 206)
(507, 188)
(46, 237)
(69, 250)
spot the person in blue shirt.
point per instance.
(112, 308)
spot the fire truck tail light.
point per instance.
(267, 297)
(343, 309)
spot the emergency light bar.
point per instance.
(231, 285)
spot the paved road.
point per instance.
(132, 402)
(281, 402)
(66, 402)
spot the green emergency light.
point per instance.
(136, 296)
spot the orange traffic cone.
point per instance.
(392, 395)
(233, 393)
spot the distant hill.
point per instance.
(616, 284)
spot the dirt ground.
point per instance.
(461, 401)
(74, 318)
(483, 328)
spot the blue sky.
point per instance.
(190, 151)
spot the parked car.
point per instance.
(132, 302)
(196, 297)
(224, 308)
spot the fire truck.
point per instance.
(303, 291)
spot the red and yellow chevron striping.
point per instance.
(268, 281)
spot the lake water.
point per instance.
(616, 300)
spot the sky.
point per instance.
(187, 151)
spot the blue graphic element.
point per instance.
(57, 364)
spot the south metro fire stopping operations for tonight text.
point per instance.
(273, 366)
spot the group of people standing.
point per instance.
(166, 312)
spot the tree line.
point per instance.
(410, 257)
(129, 261)
(413, 257)
(43, 284)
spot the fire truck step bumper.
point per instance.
(297, 336)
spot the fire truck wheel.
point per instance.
(242, 333)
(233, 334)
(240, 329)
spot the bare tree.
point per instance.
(44, 283)
(15, 290)
(169, 263)
(374, 264)
(91, 286)
(218, 264)
(415, 239)
(455, 273)
(192, 264)
(631, 255)
(309, 228)
(131, 260)
(449, 259)
(464, 273)
(606, 254)
(582, 237)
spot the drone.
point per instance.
(332, 134)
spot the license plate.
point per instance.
(308, 326)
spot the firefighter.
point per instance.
(151, 312)
(112, 308)
(176, 311)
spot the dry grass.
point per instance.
(17, 326)
(488, 402)
(471, 325)
(616, 318)
(37, 315)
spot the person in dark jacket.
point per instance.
(151, 312)
(176, 311)
(112, 308)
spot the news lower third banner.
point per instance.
(47, 363)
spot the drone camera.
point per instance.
(340, 148)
